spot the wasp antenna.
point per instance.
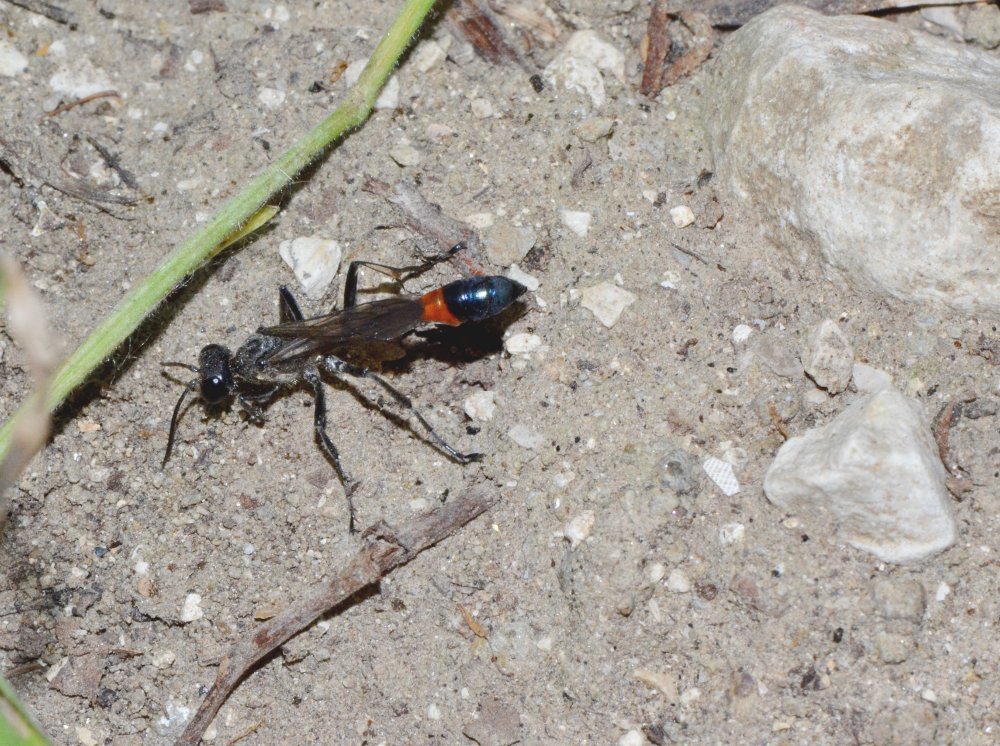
(190, 386)
(192, 368)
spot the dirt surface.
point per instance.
(661, 616)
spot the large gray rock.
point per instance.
(872, 476)
(872, 146)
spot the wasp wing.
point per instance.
(380, 320)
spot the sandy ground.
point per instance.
(781, 636)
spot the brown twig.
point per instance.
(384, 550)
(701, 47)
(776, 420)
(50, 11)
(657, 49)
(80, 101)
(427, 219)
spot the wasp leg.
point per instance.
(311, 375)
(288, 307)
(336, 366)
(399, 274)
(250, 405)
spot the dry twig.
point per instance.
(384, 549)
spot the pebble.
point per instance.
(428, 54)
(579, 528)
(857, 195)
(632, 738)
(682, 215)
(721, 472)
(507, 243)
(526, 437)
(775, 355)
(732, 533)
(480, 406)
(690, 696)
(481, 108)
(433, 712)
(579, 64)
(594, 129)
(405, 155)
(79, 79)
(163, 658)
(314, 260)
(12, 62)
(519, 275)
(271, 98)
(86, 736)
(659, 680)
(892, 648)
(607, 302)
(388, 98)
(191, 610)
(902, 598)
(741, 333)
(678, 582)
(828, 357)
(875, 469)
(577, 221)
(481, 220)
(982, 26)
(522, 343)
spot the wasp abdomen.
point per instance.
(472, 299)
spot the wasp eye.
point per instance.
(216, 378)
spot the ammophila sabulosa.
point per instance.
(278, 359)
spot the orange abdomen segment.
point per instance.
(436, 309)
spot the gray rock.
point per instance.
(874, 472)
(828, 357)
(900, 599)
(873, 147)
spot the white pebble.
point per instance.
(433, 712)
(942, 592)
(657, 572)
(519, 275)
(678, 581)
(480, 220)
(690, 696)
(481, 108)
(12, 62)
(721, 472)
(606, 302)
(828, 357)
(79, 79)
(577, 221)
(85, 736)
(271, 98)
(427, 55)
(191, 610)
(875, 470)
(579, 65)
(682, 215)
(579, 528)
(419, 505)
(480, 406)
(522, 343)
(741, 333)
(314, 260)
(632, 738)
(388, 98)
(163, 658)
(868, 380)
(526, 437)
(731, 533)
(405, 155)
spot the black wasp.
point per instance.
(298, 350)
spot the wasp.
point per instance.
(300, 351)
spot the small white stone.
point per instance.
(405, 155)
(579, 528)
(79, 79)
(481, 108)
(632, 738)
(579, 65)
(577, 221)
(544, 643)
(828, 357)
(690, 696)
(607, 302)
(682, 215)
(522, 343)
(678, 581)
(480, 406)
(433, 712)
(191, 610)
(85, 736)
(876, 472)
(517, 274)
(526, 437)
(657, 572)
(942, 591)
(480, 220)
(419, 505)
(731, 533)
(388, 98)
(12, 62)
(721, 472)
(163, 658)
(314, 260)
(929, 695)
(741, 333)
(271, 98)
(427, 55)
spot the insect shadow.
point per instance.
(278, 359)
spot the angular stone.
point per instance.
(874, 473)
(873, 147)
(828, 357)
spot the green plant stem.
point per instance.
(186, 258)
